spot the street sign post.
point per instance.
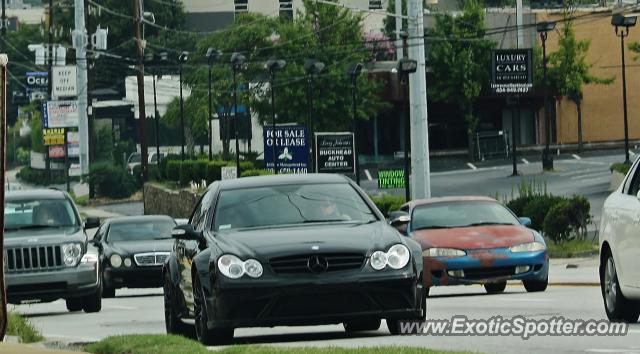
(335, 153)
(512, 76)
(292, 148)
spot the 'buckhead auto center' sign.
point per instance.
(511, 71)
(335, 153)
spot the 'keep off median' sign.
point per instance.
(335, 153)
(511, 71)
(64, 81)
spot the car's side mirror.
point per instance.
(186, 232)
(524, 221)
(638, 195)
(400, 221)
(91, 223)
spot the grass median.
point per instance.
(170, 344)
(20, 327)
(572, 249)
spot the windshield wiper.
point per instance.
(487, 223)
(432, 227)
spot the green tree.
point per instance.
(569, 70)
(460, 58)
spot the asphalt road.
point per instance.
(140, 311)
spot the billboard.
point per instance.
(291, 148)
(511, 71)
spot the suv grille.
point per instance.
(37, 258)
(150, 259)
(317, 263)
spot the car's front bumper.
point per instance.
(485, 266)
(133, 277)
(52, 285)
(290, 302)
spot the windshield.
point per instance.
(140, 231)
(461, 214)
(135, 158)
(290, 205)
(43, 213)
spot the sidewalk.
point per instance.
(15, 348)
(574, 271)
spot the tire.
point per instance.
(93, 303)
(393, 324)
(205, 335)
(74, 304)
(535, 286)
(362, 325)
(108, 293)
(617, 307)
(495, 288)
(172, 321)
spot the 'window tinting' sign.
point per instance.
(511, 71)
(390, 179)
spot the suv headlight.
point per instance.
(71, 253)
(397, 257)
(115, 260)
(528, 247)
(233, 267)
(444, 252)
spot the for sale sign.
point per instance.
(291, 148)
(335, 153)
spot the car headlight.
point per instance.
(444, 252)
(71, 254)
(233, 267)
(528, 247)
(127, 262)
(396, 257)
(89, 258)
(115, 260)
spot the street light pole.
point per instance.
(312, 67)
(156, 117)
(211, 56)
(237, 60)
(547, 159)
(354, 70)
(625, 22)
(404, 68)
(272, 65)
(184, 56)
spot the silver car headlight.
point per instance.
(233, 267)
(71, 254)
(528, 247)
(115, 260)
(444, 252)
(397, 257)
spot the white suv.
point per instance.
(620, 250)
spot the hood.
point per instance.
(269, 243)
(466, 238)
(46, 236)
(133, 247)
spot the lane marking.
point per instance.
(582, 162)
(592, 175)
(575, 156)
(366, 172)
(471, 166)
(120, 307)
(632, 153)
(526, 162)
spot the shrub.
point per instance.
(173, 170)
(23, 156)
(153, 173)
(41, 177)
(517, 205)
(579, 217)
(388, 203)
(186, 172)
(255, 172)
(111, 181)
(620, 167)
(537, 209)
(213, 172)
(162, 165)
(557, 222)
(200, 170)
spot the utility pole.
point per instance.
(400, 50)
(49, 79)
(90, 117)
(420, 166)
(80, 34)
(141, 105)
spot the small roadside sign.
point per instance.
(53, 136)
(229, 172)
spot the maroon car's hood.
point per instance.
(480, 237)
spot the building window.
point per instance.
(286, 9)
(375, 4)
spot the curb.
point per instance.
(580, 284)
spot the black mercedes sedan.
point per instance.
(132, 250)
(289, 250)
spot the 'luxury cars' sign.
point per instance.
(291, 148)
(511, 71)
(335, 153)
